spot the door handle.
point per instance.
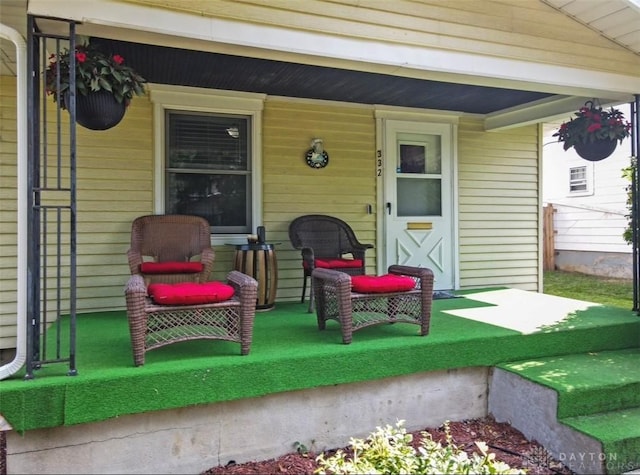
(389, 208)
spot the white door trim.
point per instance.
(382, 116)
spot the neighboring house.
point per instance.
(590, 207)
(467, 84)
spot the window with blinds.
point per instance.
(208, 169)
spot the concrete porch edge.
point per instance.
(194, 439)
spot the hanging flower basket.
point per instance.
(596, 150)
(593, 132)
(104, 84)
(98, 110)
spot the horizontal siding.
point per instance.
(291, 188)
(583, 229)
(498, 206)
(530, 30)
(114, 185)
(8, 213)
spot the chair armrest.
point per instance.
(135, 285)
(332, 277)
(358, 251)
(246, 287)
(207, 258)
(332, 293)
(423, 274)
(136, 298)
(135, 259)
(308, 257)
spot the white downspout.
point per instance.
(21, 112)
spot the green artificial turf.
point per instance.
(288, 353)
(599, 395)
(619, 432)
(587, 383)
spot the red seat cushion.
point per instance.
(190, 293)
(171, 267)
(368, 284)
(338, 263)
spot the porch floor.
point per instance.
(483, 328)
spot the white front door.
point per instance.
(417, 198)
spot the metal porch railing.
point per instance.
(51, 261)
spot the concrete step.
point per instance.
(587, 383)
(583, 408)
(619, 433)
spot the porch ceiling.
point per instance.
(184, 67)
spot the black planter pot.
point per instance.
(98, 110)
(596, 151)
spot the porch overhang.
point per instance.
(175, 47)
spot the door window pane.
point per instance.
(412, 158)
(419, 197)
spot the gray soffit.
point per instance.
(163, 65)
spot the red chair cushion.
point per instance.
(171, 267)
(369, 284)
(338, 263)
(190, 293)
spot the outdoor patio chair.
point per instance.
(178, 312)
(171, 248)
(326, 242)
(404, 295)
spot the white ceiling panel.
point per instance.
(618, 20)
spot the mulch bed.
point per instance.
(508, 445)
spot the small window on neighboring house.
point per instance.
(578, 180)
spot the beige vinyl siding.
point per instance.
(291, 188)
(115, 185)
(526, 30)
(8, 212)
(498, 206)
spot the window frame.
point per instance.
(588, 178)
(187, 99)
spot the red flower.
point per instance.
(81, 57)
(118, 59)
(594, 127)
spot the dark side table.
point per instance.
(259, 261)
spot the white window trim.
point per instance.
(165, 97)
(589, 175)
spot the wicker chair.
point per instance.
(324, 241)
(171, 238)
(152, 325)
(335, 300)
